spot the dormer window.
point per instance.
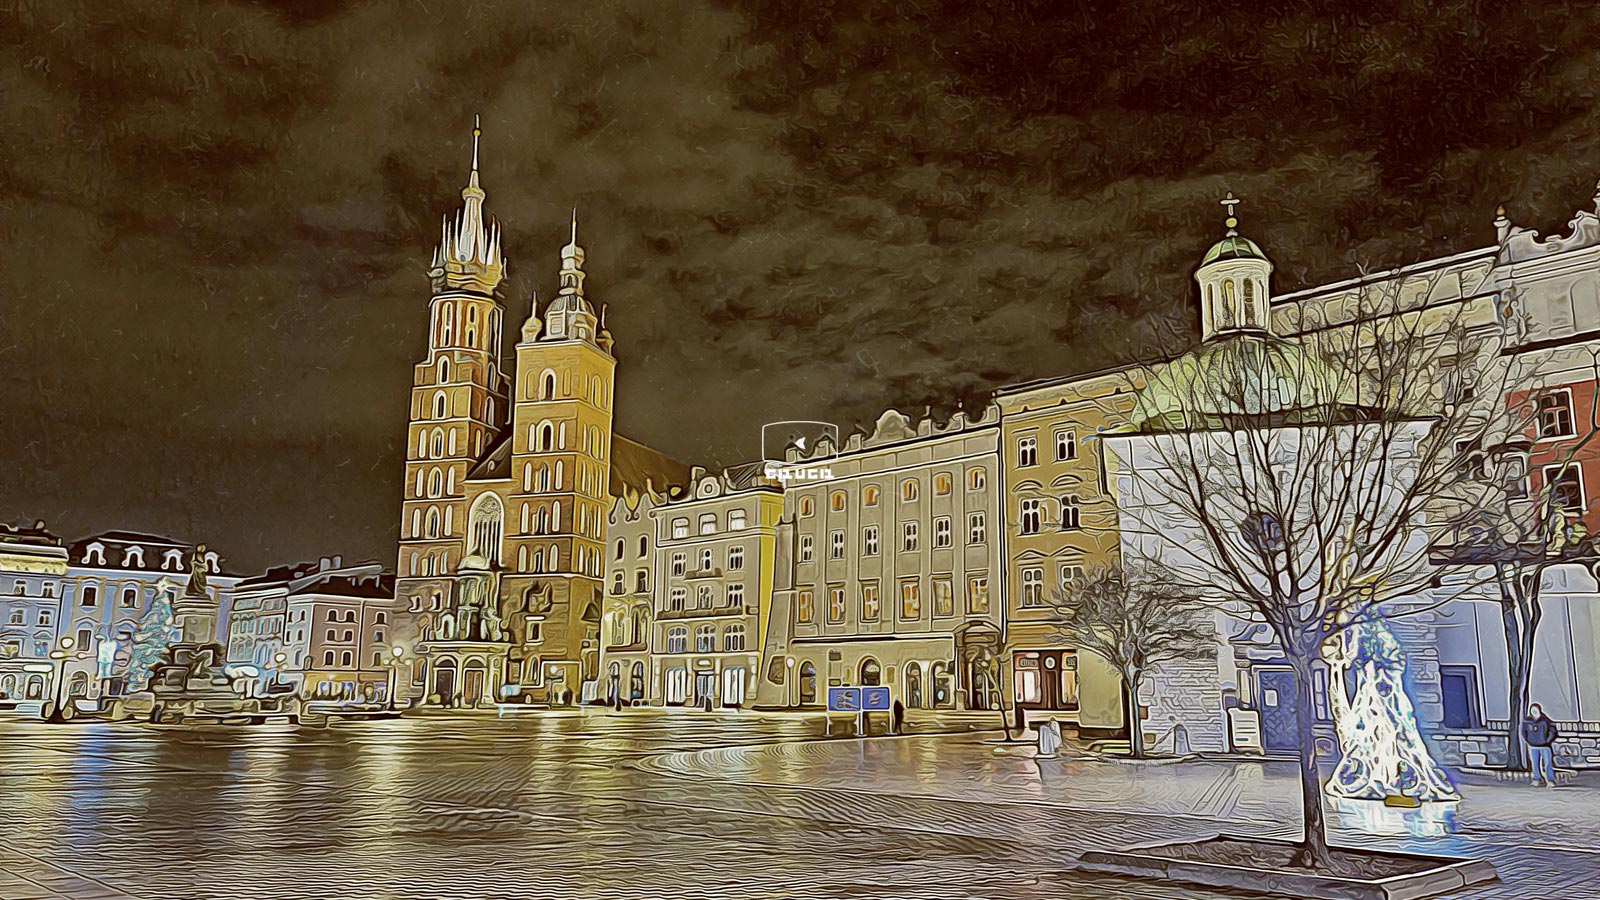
(133, 558)
(96, 554)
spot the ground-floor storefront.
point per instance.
(923, 672)
(708, 679)
(1049, 680)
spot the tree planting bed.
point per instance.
(1269, 867)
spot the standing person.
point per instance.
(1540, 734)
(1049, 739)
(899, 716)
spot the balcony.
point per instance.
(706, 613)
(714, 572)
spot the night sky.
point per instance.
(215, 219)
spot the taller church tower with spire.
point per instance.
(509, 477)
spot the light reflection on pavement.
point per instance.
(637, 805)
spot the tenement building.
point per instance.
(510, 476)
(895, 564)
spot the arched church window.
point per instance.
(446, 317)
(416, 525)
(435, 482)
(1249, 301)
(487, 524)
(438, 405)
(450, 480)
(527, 476)
(547, 385)
(449, 525)
(444, 370)
(561, 439)
(1230, 319)
(547, 436)
(438, 442)
(433, 521)
(559, 480)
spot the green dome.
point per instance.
(1249, 380)
(1233, 247)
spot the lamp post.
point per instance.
(790, 692)
(395, 653)
(60, 655)
(277, 666)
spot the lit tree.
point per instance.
(158, 629)
(1296, 479)
(1135, 621)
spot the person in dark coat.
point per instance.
(1540, 734)
(899, 716)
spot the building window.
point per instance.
(976, 531)
(49, 588)
(89, 596)
(1066, 445)
(1027, 452)
(736, 594)
(620, 548)
(1032, 587)
(807, 506)
(941, 531)
(908, 489)
(1032, 515)
(978, 594)
(941, 483)
(836, 545)
(327, 658)
(1566, 487)
(680, 564)
(869, 540)
(1071, 513)
(733, 638)
(805, 608)
(910, 600)
(680, 528)
(869, 495)
(641, 581)
(704, 597)
(976, 479)
(944, 603)
(346, 658)
(869, 601)
(708, 523)
(616, 583)
(677, 640)
(736, 519)
(677, 599)
(805, 548)
(705, 639)
(836, 501)
(1555, 414)
(706, 559)
(1071, 578)
(908, 537)
(735, 559)
(644, 546)
(835, 605)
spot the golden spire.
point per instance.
(1232, 221)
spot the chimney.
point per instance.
(337, 561)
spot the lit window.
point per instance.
(941, 483)
(805, 607)
(836, 501)
(869, 495)
(976, 479)
(908, 489)
(978, 594)
(680, 528)
(869, 601)
(910, 600)
(736, 519)
(807, 506)
(708, 523)
(836, 605)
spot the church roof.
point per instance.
(1233, 247)
(634, 466)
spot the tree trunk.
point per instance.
(1314, 845)
(1517, 671)
(1130, 702)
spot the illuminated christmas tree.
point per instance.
(157, 630)
(1384, 755)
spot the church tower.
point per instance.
(458, 393)
(560, 472)
(1235, 283)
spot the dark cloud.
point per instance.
(215, 219)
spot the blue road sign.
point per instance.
(844, 699)
(874, 699)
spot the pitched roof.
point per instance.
(635, 466)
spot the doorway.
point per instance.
(1279, 705)
(472, 686)
(913, 685)
(674, 682)
(871, 672)
(444, 681)
(705, 686)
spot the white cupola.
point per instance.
(1235, 283)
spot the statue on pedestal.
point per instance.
(197, 573)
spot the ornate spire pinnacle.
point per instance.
(469, 243)
(1232, 221)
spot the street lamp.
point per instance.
(60, 655)
(394, 666)
(789, 693)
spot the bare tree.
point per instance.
(1136, 622)
(1519, 535)
(1293, 479)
